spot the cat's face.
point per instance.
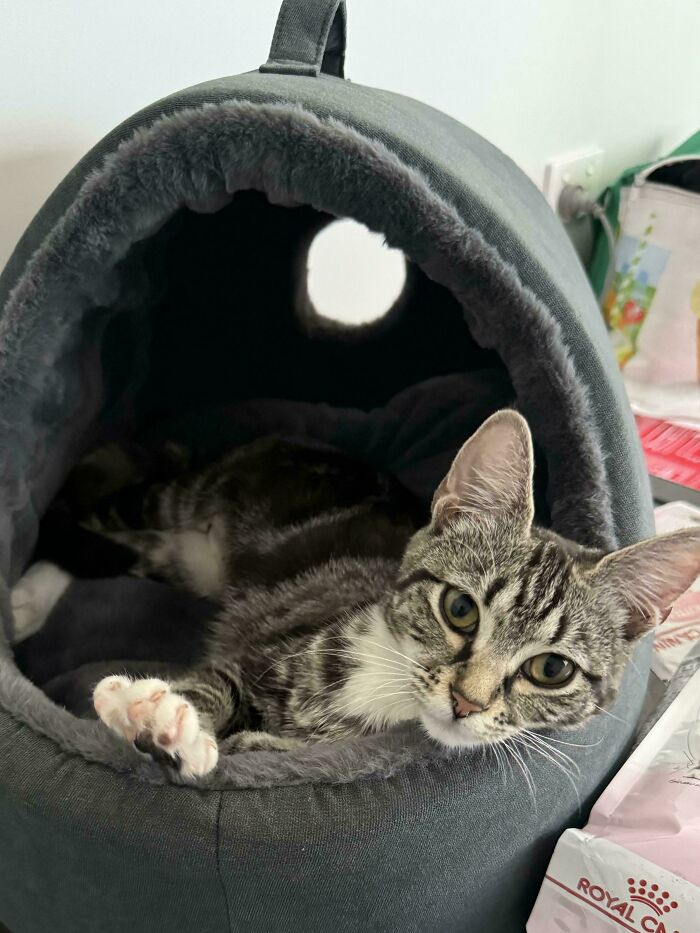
(511, 627)
(512, 624)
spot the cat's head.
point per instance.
(511, 626)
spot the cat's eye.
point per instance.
(549, 670)
(459, 611)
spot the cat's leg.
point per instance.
(65, 551)
(179, 719)
(250, 740)
(121, 475)
(34, 596)
(189, 558)
(86, 554)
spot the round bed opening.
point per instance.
(177, 282)
(352, 277)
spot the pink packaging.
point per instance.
(678, 637)
(636, 865)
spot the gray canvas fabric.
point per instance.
(86, 847)
(94, 837)
(309, 38)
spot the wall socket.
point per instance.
(574, 168)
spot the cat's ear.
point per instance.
(491, 474)
(650, 577)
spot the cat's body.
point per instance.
(295, 543)
(341, 615)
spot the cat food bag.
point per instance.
(636, 865)
(677, 640)
(679, 636)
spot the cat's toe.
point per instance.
(177, 730)
(200, 756)
(112, 699)
(175, 722)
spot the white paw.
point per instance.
(150, 710)
(34, 596)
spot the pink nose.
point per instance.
(462, 707)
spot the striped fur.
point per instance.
(330, 593)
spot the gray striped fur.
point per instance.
(330, 622)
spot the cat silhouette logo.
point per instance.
(646, 905)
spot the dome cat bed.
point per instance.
(164, 278)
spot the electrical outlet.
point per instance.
(575, 168)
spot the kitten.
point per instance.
(341, 616)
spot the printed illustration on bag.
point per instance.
(690, 768)
(638, 267)
(695, 308)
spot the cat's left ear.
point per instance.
(650, 576)
(491, 475)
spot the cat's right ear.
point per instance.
(650, 576)
(491, 475)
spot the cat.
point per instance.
(345, 609)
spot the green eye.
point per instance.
(459, 611)
(549, 670)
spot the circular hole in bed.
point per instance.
(353, 276)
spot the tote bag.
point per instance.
(652, 305)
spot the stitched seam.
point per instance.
(321, 41)
(218, 861)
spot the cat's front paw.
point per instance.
(149, 710)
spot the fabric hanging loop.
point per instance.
(309, 38)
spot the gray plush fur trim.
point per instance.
(373, 756)
(199, 158)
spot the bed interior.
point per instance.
(179, 312)
(215, 342)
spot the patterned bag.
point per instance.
(652, 305)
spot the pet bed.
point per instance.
(166, 274)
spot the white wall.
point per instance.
(537, 77)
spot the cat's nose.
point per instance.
(462, 707)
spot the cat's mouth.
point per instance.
(455, 733)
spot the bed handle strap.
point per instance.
(309, 38)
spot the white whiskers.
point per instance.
(394, 651)
(526, 740)
(611, 715)
(517, 756)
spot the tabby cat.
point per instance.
(345, 610)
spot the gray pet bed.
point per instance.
(166, 275)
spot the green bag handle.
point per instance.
(309, 38)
